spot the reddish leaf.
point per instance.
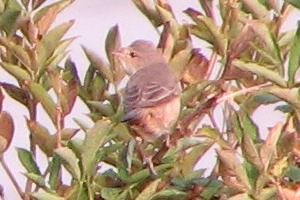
(6, 131)
(37, 3)
(166, 43)
(196, 69)
(268, 150)
(41, 137)
(16, 93)
(70, 92)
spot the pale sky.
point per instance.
(93, 20)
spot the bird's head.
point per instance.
(139, 54)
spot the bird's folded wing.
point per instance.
(149, 95)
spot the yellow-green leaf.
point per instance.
(41, 95)
(49, 43)
(99, 64)
(70, 161)
(16, 71)
(96, 137)
(260, 70)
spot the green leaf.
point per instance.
(112, 42)
(180, 60)
(294, 59)
(230, 162)
(46, 196)
(167, 16)
(295, 3)
(248, 126)
(99, 64)
(97, 88)
(59, 53)
(36, 178)
(209, 28)
(17, 50)
(149, 11)
(28, 161)
(213, 134)
(266, 193)
(243, 196)
(190, 160)
(54, 172)
(251, 153)
(16, 71)
(192, 90)
(237, 127)
(265, 99)
(170, 194)
(70, 161)
(49, 43)
(149, 190)
(293, 173)
(260, 70)
(96, 137)
(258, 10)
(105, 109)
(68, 133)
(41, 95)
(8, 20)
(200, 30)
(284, 108)
(289, 95)
(110, 193)
(266, 38)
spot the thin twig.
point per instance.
(211, 64)
(283, 18)
(59, 111)
(10, 175)
(243, 91)
(32, 115)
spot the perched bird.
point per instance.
(152, 94)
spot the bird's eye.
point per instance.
(132, 54)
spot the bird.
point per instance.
(152, 94)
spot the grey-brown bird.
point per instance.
(152, 94)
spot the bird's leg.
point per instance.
(148, 160)
(146, 154)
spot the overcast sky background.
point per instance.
(93, 19)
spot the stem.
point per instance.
(285, 13)
(10, 175)
(32, 115)
(211, 65)
(59, 117)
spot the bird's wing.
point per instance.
(150, 86)
(155, 93)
